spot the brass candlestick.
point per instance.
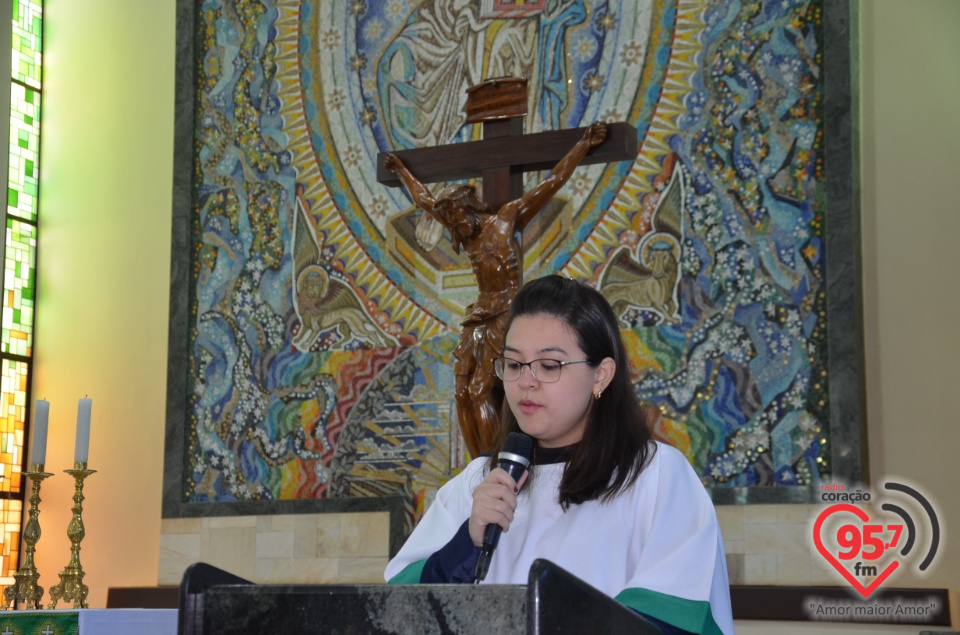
(71, 587)
(25, 587)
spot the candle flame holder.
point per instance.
(25, 588)
(71, 587)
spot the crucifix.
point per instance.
(489, 229)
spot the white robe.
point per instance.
(656, 548)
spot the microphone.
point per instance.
(514, 458)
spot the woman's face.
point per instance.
(553, 413)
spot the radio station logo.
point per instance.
(867, 540)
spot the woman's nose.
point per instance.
(527, 378)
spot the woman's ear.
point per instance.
(604, 374)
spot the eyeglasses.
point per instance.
(546, 371)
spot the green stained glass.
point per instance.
(27, 41)
(24, 147)
(19, 278)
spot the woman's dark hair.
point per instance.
(616, 441)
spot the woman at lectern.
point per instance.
(625, 514)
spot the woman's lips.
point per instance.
(528, 407)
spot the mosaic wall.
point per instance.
(323, 313)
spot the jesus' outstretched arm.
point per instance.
(421, 195)
(531, 202)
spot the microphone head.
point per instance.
(518, 447)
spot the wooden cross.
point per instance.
(500, 160)
(505, 153)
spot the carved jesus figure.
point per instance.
(490, 240)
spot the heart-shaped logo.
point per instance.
(854, 539)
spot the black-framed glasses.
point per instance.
(546, 371)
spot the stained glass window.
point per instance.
(19, 272)
(24, 147)
(13, 402)
(19, 278)
(27, 30)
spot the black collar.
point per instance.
(548, 456)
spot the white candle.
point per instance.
(83, 431)
(41, 417)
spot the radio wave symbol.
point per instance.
(890, 507)
(934, 523)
